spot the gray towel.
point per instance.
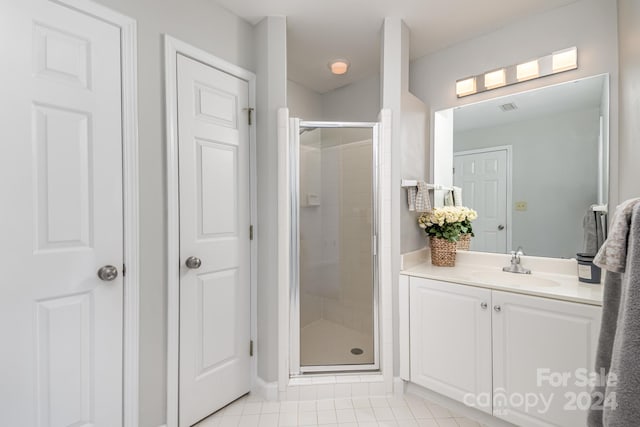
(411, 198)
(613, 253)
(593, 231)
(423, 203)
(448, 198)
(619, 342)
(457, 196)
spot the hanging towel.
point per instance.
(613, 253)
(448, 198)
(619, 342)
(423, 203)
(457, 196)
(411, 198)
(593, 232)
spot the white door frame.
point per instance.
(509, 150)
(129, 82)
(172, 47)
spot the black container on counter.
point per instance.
(588, 272)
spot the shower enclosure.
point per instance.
(334, 294)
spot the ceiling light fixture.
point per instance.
(556, 62)
(339, 66)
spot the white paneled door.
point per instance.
(483, 177)
(60, 218)
(213, 149)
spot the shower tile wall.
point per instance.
(336, 275)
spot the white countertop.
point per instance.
(550, 278)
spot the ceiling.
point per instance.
(570, 96)
(321, 30)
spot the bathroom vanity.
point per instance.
(518, 347)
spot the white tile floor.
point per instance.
(408, 411)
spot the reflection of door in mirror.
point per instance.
(483, 176)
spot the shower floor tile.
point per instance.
(326, 343)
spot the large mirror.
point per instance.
(533, 164)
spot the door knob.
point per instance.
(501, 227)
(497, 308)
(193, 262)
(484, 305)
(108, 273)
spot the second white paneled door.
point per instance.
(61, 218)
(214, 187)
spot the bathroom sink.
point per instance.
(504, 278)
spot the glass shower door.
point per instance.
(336, 218)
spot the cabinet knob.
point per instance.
(497, 308)
(484, 305)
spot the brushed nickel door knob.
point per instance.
(193, 262)
(108, 273)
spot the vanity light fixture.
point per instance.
(466, 87)
(556, 62)
(339, 66)
(528, 70)
(494, 79)
(564, 60)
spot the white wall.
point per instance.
(303, 103)
(209, 27)
(591, 25)
(357, 102)
(271, 69)
(629, 30)
(555, 165)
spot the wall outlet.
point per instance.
(521, 206)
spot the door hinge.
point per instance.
(251, 348)
(249, 111)
(124, 270)
(251, 232)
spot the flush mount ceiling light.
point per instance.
(556, 62)
(339, 66)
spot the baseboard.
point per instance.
(398, 386)
(457, 407)
(268, 391)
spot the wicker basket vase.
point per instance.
(443, 252)
(464, 242)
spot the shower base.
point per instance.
(325, 343)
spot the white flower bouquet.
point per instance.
(448, 222)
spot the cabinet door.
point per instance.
(450, 334)
(542, 349)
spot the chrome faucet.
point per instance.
(515, 266)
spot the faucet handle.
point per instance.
(520, 250)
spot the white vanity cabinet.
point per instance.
(450, 338)
(503, 352)
(543, 347)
